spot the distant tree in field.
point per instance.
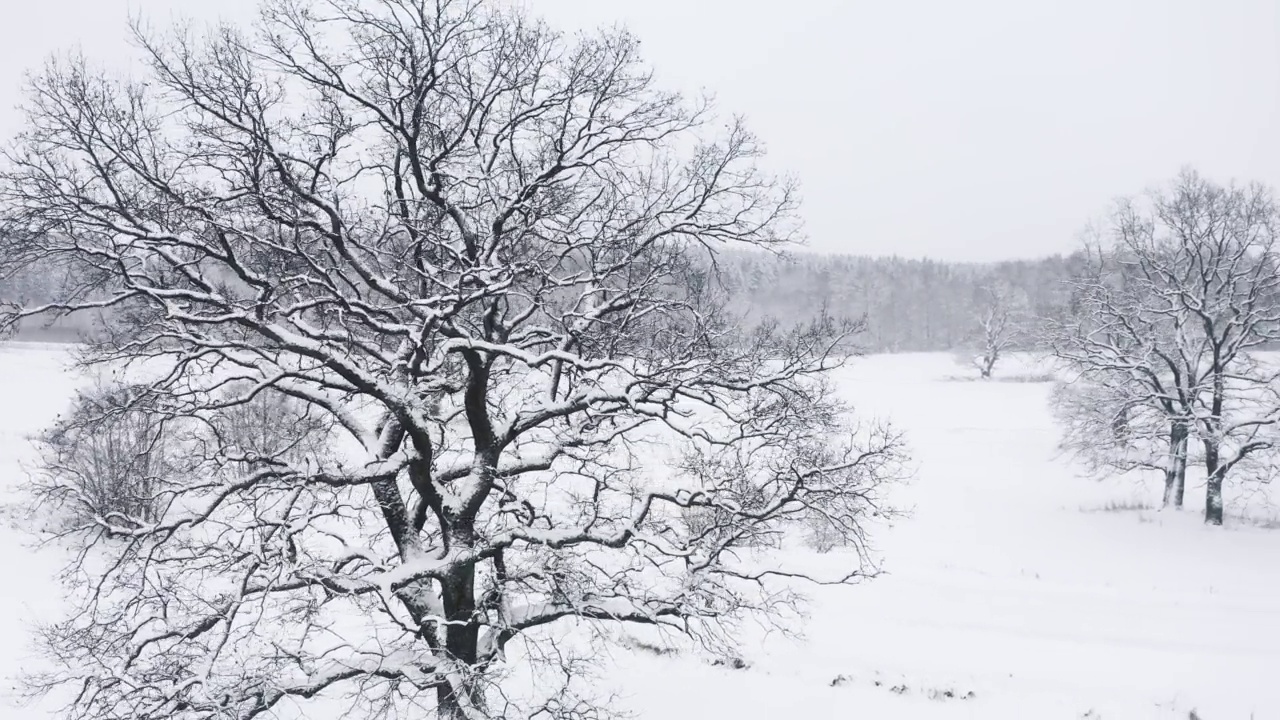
(474, 256)
(999, 321)
(1184, 290)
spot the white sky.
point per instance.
(976, 130)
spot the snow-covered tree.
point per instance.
(1127, 400)
(1110, 426)
(1000, 316)
(1210, 251)
(1184, 289)
(476, 250)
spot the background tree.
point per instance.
(1184, 292)
(478, 252)
(1000, 319)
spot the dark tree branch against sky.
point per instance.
(962, 131)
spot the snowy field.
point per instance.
(1016, 589)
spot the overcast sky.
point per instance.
(968, 130)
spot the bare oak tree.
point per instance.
(1186, 292)
(1210, 251)
(1127, 402)
(477, 253)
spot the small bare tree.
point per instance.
(999, 324)
(481, 253)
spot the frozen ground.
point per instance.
(1016, 589)
(34, 388)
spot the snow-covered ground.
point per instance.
(1016, 589)
(34, 388)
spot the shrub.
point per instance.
(822, 535)
(114, 454)
(109, 457)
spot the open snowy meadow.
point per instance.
(1014, 588)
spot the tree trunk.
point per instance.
(988, 364)
(1180, 481)
(1213, 488)
(1120, 426)
(1212, 461)
(461, 639)
(1175, 475)
(458, 587)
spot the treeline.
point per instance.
(39, 283)
(909, 305)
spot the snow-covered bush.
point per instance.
(109, 458)
(821, 535)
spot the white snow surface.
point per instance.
(1015, 589)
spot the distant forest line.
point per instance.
(909, 305)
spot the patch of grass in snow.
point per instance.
(964, 378)
(1093, 715)
(1120, 506)
(998, 378)
(649, 648)
(17, 516)
(1262, 522)
(900, 687)
(9, 514)
(1025, 378)
(1257, 518)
